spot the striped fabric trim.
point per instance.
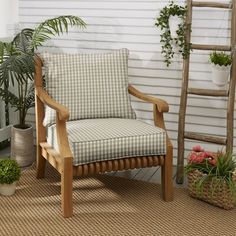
(90, 85)
(94, 140)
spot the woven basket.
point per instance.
(215, 194)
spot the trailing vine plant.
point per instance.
(163, 22)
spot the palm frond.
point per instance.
(10, 98)
(6, 50)
(17, 68)
(29, 99)
(22, 41)
(17, 60)
(53, 27)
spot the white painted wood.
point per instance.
(8, 19)
(5, 133)
(118, 23)
(5, 129)
(8, 16)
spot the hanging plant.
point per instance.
(173, 26)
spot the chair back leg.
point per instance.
(41, 163)
(166, 175)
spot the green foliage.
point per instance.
(223, 171)
(220, 58)
(163, 22)
(9, 171)
(17, 61)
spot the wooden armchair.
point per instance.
(62, 159)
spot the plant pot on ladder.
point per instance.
(220, 67)
(172, 23)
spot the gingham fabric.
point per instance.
(94, 140)
(90, 85)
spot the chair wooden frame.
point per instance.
(62, 160)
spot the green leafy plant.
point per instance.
(163, 22)
(9, 171)
(217, 168)
(220, 58)
(17, 61)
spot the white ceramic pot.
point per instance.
(22, 146)
(220, 74)
(8, 189)
(174, 22)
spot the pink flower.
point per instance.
(196, 157)
(198, 148)
(212, 158)
(208, 154)
(212, 161)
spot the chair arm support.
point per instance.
(162, 105)
(62, 111)
(61, 118)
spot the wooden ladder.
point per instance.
(229, 93)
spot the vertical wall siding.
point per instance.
(130, 24)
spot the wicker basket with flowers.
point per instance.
(212, 177)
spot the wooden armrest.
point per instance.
(62, 111)
(162, 105)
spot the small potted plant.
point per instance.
(212, 177)
(173, 26)
(220, 65)
(9, 175)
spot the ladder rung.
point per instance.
(204, 138)
(211, 47)
(208, 92)
(212, 4)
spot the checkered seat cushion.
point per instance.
(93, 140)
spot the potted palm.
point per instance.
(17, 60)
(9, 175)
(212, 177)
(172, 23)
(220, 66)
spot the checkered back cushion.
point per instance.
(90, 85)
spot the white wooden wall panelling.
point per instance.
(119, 23)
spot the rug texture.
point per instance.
(106, 205)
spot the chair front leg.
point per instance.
(67, 168)
(41, 137)
(67, 187)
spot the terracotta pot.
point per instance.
(174, 22)
(22, 145)
(220, 74)
(8, 189)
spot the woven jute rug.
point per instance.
(106, 205)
